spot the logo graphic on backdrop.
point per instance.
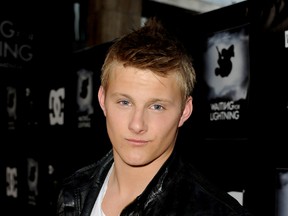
(30, 118)
(56, 106)
(226, 74)
(11, 180)
(11, 106)
(85, 98)
(32, 180)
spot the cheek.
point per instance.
(113, 125)
(165, 125)
(115, 119)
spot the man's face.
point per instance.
(143, 113)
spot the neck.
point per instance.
(133, 180)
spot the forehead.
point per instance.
(134, 74)
(116, 67)
(132, 79)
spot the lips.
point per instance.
(137, 141)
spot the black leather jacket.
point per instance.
(177, 189)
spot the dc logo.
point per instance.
(56, 106)
(11, 179)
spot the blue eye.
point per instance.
(124, 102)
(157, 107)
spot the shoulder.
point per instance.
(190, 186)
(89, 173)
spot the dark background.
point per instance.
(246, 162)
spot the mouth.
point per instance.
(137, 142)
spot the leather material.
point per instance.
(177, 189)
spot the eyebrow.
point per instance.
(152, 100)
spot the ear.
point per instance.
(187, 111)
(101, 99)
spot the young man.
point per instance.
(145, 94)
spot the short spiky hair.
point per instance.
(152, 47)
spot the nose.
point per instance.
(137, 122)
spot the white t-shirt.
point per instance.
(97, 209)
